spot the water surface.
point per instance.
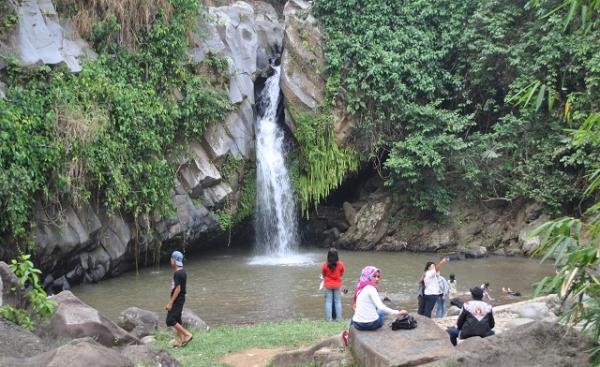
(226, 288)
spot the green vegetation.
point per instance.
(321, 165)
(242, 174)
(104, 134)
(575, 242)
(432, 85)
(8, 18)
(207, 348)
(28, 278)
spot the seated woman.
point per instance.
(368, 309)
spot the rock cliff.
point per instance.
(85, 243)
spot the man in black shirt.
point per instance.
(476, 319)
(175, 305)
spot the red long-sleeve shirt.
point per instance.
(333, 279)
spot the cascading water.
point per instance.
(276, 221)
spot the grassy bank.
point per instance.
(207, 348)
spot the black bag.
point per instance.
(405, 322)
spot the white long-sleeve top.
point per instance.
(367, 304)
(432, 287)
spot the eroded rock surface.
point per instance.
(74, 319)
(388, 348)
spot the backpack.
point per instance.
(405, 322)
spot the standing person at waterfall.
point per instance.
(369, 311)
(441, 307)
(332, 271)
(432, 291)
(175, 305)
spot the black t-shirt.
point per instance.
(179, 279)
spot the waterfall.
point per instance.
(276, 221)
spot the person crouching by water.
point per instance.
(432, 292)
(175, 305)
(369, 311)
(475, 319)
(332, 271)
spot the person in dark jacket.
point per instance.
(475, 319)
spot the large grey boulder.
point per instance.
(84, 352)
(473, 252)
(17, 342)
(193, 321)
(39, 37)
(74, 319)
(142, 355)
(138, 321)
(536, 344)
(386, 348)
(269, 32)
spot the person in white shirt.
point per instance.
(432, 290)
(369, 311)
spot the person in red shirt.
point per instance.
(332, 272)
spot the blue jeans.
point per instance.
(369, 325)
(441, 307)
(333, 297)
(430, 300)
(454, 333)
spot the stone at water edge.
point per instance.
(473, 253)
(18, 342)
(140, 322)
(193, 321)
(385, 347)
(75, 319)
(533, 310)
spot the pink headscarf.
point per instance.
(366, 278)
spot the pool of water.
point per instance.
(234, 287)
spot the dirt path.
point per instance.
(253, 357)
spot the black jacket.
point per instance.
(476, 319)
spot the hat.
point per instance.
(476, 292)
(178, 257)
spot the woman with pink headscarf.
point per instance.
(369, 311)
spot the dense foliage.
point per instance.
(432, 85)
(321, 165)
(575, 242)
(28, 280)
(103, 134)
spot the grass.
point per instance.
(207, 348)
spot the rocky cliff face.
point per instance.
(85, 243)
(377, 220)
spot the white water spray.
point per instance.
(276, 221)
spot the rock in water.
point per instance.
(74, 319)
(386, 348)
(141, 322)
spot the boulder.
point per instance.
(8, 282)
(473, 252)
(306, 356)
(269, 33)
(142, 322)
(149, 339)
(84, 352)
(386, 348)
(532, 310)
(39, 37)
(534, 344)
(193, 321)
(513, 323)
(453, 311)
(74, 319)
(142, 355)
(18, 342)
(327, 357)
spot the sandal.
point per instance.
(185, 342)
